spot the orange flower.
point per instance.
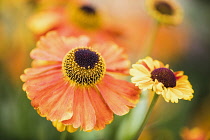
(75, 18)
(70, 82)
(195, 133)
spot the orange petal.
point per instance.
(45, 21)
(43, 63)
(72, 42)
(75, 121)
(53, 44)
(46, 98)
(41, 80)
(57, 104)
(103, 114)
(53, 47)
(40, 54)
(114, 56)
(37, 94)
(117, 102)
(83, 111)
(34, 72)
(125, 89)
(50, 93)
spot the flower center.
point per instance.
(85, 17)
(164, 8)
(86, 58)
(165, 76)
(88, 9)
(83, 66)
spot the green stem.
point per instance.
(154, 100)
(149, 44)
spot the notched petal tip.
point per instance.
(24, 87)
(59, 126)
(22, 78)
(66, 116)
(119, 98)
(71, 129)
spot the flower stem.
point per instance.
(149, 44)
(153, 102)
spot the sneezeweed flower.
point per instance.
(84, 16)
(165, 11)
(174, 40)
(73, 19)
(195, 133)
(70, 82)
(154, 75)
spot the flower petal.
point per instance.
(59, 126)
(52, 47)
(114, 56)
(34, 72)
(38, 90)
(41, 54)
(71, 129)
(57, 105)
(72, 42)
(118, 98)
(139, 70)
(41, 80)
(47, 89)
(149, 62)
(83, 111)
(103, 114)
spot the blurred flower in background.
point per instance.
(132, 21)
(130, 30)
(165, 11)
(126, 23)
(195, 133)
(75, 18)
(15, 38)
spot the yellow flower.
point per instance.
(154, 75)
(165, 11)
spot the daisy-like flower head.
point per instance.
(74, 19)
(84, 16)
(70, 82)
(154, 75)
(165, 11)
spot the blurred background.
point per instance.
(185, 47)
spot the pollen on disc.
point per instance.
(83, 66)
